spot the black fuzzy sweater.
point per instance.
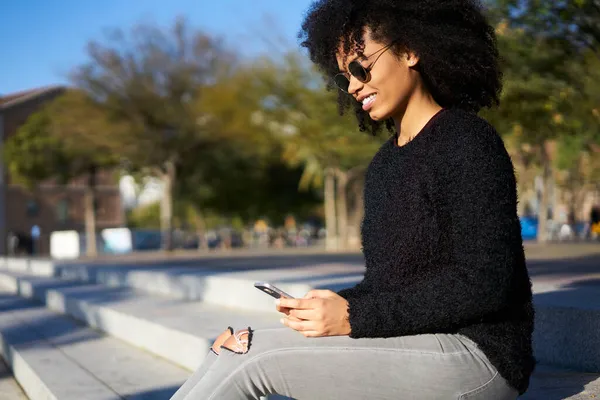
(442, 244)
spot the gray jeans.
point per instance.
(283, 361)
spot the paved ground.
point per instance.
(9, 388)
(566, 275)
(562, 274)
(551, 263)
(533, 249)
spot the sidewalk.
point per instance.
(533, 250)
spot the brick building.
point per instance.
(51, 207)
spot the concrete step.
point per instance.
(233, 289)
(54, 357)
(565, 303)
(551, 383)
(179, 331)
(567, 323)
(182, 331)
(9, 388)
(210, 279)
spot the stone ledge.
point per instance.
(567, 330)
(203, 284)
(146, 322)
(52, 357)
(88, 301)
(550, 383)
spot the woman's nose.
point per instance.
(354, 85)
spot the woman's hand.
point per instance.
(285, 310)
(319, 313)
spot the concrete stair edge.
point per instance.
(554, 341)
(29, 291)
(55, 357)
(9, 387)
(30, 378)
(178, 347)
(567, 337)
(30, 382)
(199, 287)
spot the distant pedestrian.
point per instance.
(595, 222)
(13, 243)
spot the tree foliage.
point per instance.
(53, 145)
(150, 80)
(573, 22)
(549, 103)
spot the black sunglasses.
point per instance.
(356, 69)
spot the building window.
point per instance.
(62, 211)
(33, 209)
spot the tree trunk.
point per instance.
(545, 197)
(200, 227)
(521, 185)
(342, 208)
(357, 213)
(330, 217)
(166, 206)
(526, 190)
(89, 199)
(522, 192)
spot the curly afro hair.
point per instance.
(459, 61)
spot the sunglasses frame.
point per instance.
(357, 64)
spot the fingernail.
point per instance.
(282, 321)
(277, 302)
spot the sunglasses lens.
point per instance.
(342, 82)
(357, 71)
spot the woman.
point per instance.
(444, 310)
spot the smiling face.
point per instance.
(393, 79)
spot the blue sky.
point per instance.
(42, 40)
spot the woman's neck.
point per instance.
(420, 109)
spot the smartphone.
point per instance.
(271, 290)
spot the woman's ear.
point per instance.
(412, 59)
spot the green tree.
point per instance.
(151, 79)
(576, 23)
(539, 93)
(545, 101)
(577, 161)
(303, 115)
(52, 145)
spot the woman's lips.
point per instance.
(368, 104)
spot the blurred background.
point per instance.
(201, 126)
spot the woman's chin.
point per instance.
(377, 115)
(374, 115)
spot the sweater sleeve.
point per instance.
(357, 290)
(473, 190)
(350, 292)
